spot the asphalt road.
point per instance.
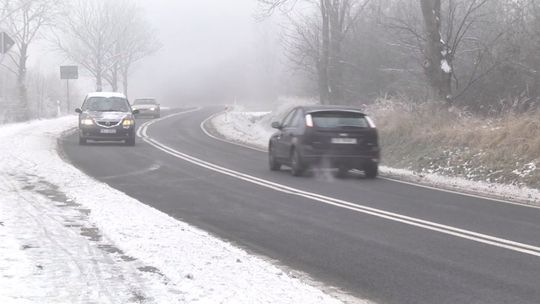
(378, 239)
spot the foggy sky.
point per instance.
(207, 51)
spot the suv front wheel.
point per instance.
(272, 162)
(130, 141)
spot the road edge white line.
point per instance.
(460, 193)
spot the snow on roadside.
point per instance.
(244, 127)
(253, 128)
(66, 238)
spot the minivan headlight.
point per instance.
(128, 122)
(87, 122)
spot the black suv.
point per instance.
(106, 117)
(332, 136)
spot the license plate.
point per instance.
(347, 141)
(107, 131)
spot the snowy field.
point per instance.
(253, 128)
(66, 238)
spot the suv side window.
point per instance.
(297, 119)
(288, 119)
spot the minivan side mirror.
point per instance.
(277, 125)
(78, 110)
(135, 112)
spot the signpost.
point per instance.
(68, 72)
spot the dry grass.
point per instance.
(430, 138)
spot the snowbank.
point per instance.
(66, 238)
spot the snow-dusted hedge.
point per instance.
(428, 138)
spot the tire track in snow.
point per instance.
(56, 233)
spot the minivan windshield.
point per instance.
(106, 104)
(145, 101)
(339, 119)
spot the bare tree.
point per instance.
(317, 39)
(87, 36)
(343, 15)
(436, 65)
(478, 54)
(3, 10)
(7, 8)
(444, 27)
(135, 40)
(519, 55)
(25, 19)
(106, 38)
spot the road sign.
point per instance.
(69, 72)
(5, 42)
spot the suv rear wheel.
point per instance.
(297, 166)
(371, 170)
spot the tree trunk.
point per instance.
(335, 69)
(324, 56)
(115, 78)
(437, 65)
(99, 81)
(21, 84)
(99, 72)
(125, 81)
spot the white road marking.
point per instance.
(152, 168)
(165, 117)
(450, 230)
(460, 193)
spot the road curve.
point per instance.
(387, 241)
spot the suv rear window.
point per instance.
(106, 104)
(144, 101)
(339, 119)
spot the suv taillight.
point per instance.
(309, 121)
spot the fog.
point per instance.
(217, 51)
(211, 53)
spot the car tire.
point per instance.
(273, 164)
(297, 165)
(82, 141)
(371, 170)
(130, 141)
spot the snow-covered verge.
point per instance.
(253, 128)
(67, 238)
